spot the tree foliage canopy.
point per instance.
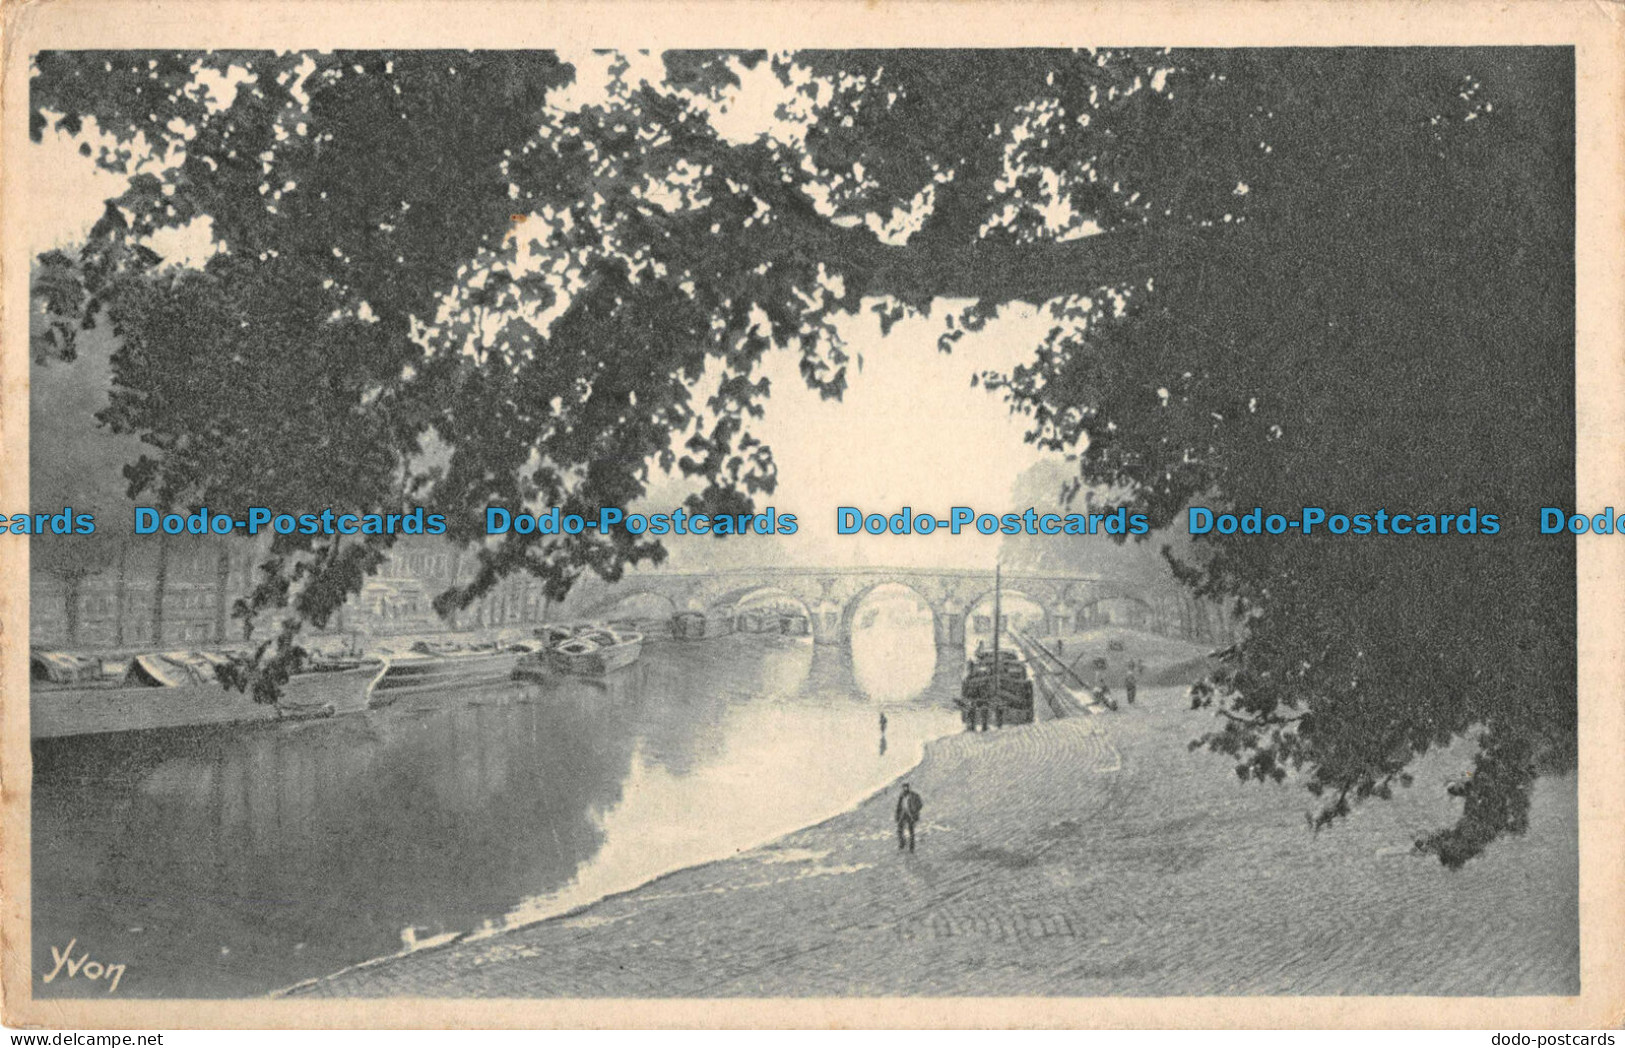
(1277, 278)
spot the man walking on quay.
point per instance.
(908, 813)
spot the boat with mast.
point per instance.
(998, 684)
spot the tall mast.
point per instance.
(997, 672)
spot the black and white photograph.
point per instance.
(961, 524)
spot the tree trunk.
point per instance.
(120, 599)
(159, 583)
(70, 598)
(454, 569)
(222, 590)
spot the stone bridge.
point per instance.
(833, 596)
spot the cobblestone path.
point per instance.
(1087, 856)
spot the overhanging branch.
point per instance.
(1003, 271)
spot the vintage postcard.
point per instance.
(723, 514)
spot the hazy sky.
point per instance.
(911, 430)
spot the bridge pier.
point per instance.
(948, 628)
(826, 623)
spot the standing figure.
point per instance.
(908, 814)
(883, 722)
(1129, 683)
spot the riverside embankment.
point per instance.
(1091, 855)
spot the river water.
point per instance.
(233, 860)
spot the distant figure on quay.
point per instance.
(908, 814)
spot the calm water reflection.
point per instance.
(231, 861)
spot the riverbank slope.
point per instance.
(1086, 856)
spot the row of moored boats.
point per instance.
(79, 694)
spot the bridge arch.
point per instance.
(854, 604)
(739, 605)
(1120, 609)
(982, 605)
(649, 596)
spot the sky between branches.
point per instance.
(911, 429)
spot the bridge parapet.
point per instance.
(832, 595)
